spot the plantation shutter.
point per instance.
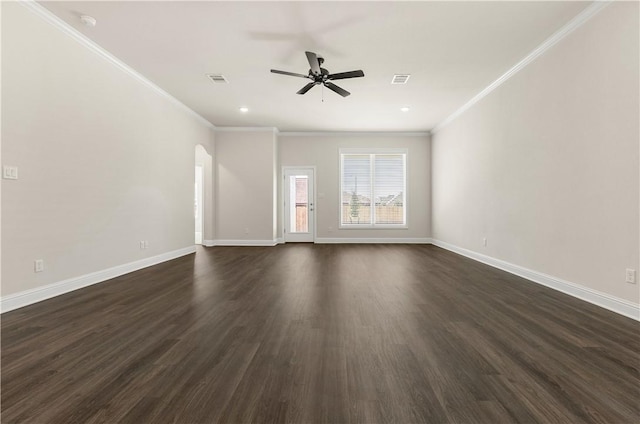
(388, 188)
(373, 189)
(356, 189)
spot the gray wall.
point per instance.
(104, 161)
(245, 181)
(546, 166)
(322, 151)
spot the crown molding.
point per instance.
(575, 23)
(353, 133)
(246, 129)
(85, 41)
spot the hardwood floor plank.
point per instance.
(303, 333)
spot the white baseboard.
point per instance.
(612, 303)
(243, 242)
(364, 240)
(28, 297)
(280, 240)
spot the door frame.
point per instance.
(283, 193)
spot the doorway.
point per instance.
(299, 209)
(198, 201)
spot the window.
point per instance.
(373, 188)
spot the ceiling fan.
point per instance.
(320, 75)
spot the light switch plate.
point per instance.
(10, 172)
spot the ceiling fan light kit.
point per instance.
(321, 76)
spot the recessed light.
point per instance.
(88, 21)
(405, 109)
(243, 109)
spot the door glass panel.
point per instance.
(299, 203)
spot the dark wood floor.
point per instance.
(319, 333)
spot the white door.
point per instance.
(299, 222)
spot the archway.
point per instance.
(203, 197)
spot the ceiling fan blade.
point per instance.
(313, 63)
(345, 75)
(306, 88)
(293, 74)
(341, 91)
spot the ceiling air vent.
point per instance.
(217, 79)
(400, 79)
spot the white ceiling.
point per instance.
(451, 49)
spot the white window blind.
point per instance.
(373, 189)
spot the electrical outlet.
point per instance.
(38, 265)
(141, 244)
(631, 276)
(246, 231)
(146, 244)
(484, 242)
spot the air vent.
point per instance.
(217, 79)
(400, 79)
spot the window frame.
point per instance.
(372, 152)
